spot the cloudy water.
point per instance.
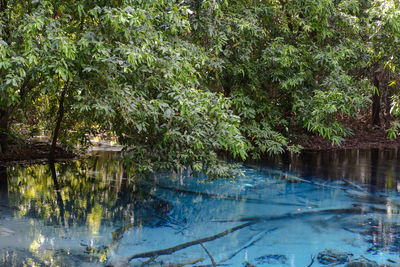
(317, 209)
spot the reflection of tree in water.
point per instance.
(101, 197)
(375, 167)
(91, 194)
(3, 187)
(58, 190)
(381, 235)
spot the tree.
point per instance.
(121, 66)
(19, 53)
(181, 81)
(285, 64)
(384, 33)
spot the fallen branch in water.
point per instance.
(209, 255)
(370, 198)
(171, 250)
(144, 264)
(312, 260)
(189, 262)
(288, 176)
(208, 265)
(250, 221)
(251, 242)
(354, 185)
(192, 262)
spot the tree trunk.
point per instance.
(4, 117)
(376, 102)
(60, 115)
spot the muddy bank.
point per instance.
(32, 153)
(362, 138)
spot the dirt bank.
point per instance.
(364, 136)
(32, 153)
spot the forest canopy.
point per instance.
(179, 82)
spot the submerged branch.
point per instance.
(208, 265)
(145, 263)
(354, 185)
(351, 188)
(171, 250)
(257, 237)
(192, 262)
(117, 234)
(312, 261)
(209, 255)
(188, 263)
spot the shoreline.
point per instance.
(37, 153)
(315, 144)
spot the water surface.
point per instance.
(282, 212)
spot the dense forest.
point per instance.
(179, 82)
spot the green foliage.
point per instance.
(124, 66)
(384, 48)
(393, 131)
(181, 131)
(180, 82)
(286, 65)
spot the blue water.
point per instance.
(97, 212)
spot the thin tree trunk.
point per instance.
(60, 116)
(4, 118)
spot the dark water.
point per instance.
(282, 212)
(377, 168)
